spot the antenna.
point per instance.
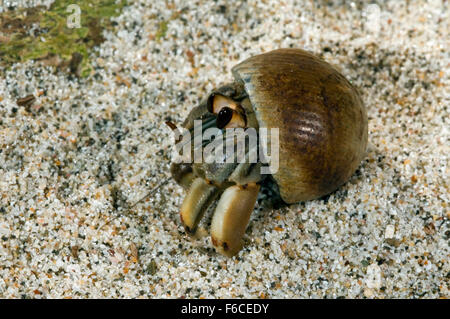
(164, 182)
(173, 127)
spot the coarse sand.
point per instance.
(70, 162)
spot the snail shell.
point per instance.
(321, 119)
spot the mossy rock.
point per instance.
(43, 34)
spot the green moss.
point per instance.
(162, 30)
(42, 34)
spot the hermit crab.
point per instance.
(322, 134)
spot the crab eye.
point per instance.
(228, 118)
(224, 117)
(217, 102)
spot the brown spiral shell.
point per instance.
(321, 119)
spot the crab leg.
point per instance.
(231, 217)
(182, 174)
(200, 195)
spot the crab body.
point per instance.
(322, 125)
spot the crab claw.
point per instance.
(200, 195)
(231, 217)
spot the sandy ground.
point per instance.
(69, 162)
